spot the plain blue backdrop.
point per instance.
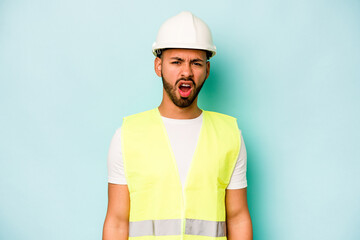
(288, 70)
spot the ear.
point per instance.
(207, 69)
(157, 66)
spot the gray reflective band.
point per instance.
(173, 227)
(205, 228)
(155, 227)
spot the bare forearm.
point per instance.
(115, 230)
(240, 229)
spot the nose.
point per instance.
(186, 70)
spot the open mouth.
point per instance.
(185, 89)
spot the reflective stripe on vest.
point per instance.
(195, 210)
(173, 227)
(155, 227)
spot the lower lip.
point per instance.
(185, 94)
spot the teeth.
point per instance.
(185, 85)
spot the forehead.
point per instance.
(184, 53)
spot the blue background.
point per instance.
(288, 70)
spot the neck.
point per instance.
(170, 110)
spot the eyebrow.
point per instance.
(192, 60)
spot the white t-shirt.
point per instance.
(183, 135)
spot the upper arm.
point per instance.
(238, 219)
(238, 177)
(236, 204)
(116, 225)
(115, 164)
(118, 203)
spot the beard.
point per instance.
(181, 102)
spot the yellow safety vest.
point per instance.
(159, 207)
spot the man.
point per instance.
(177, 171)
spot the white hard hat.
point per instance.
(184, 31)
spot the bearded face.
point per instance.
(192, 90)
(183, 73)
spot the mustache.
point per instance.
(185, 79)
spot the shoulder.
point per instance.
(140, 114)
(216, 116)
(227, 124)
(139, 122)
(141, 118)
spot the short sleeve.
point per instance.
(238, 177)
(115, 164)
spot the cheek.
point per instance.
(170, 74)
(201, 74)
